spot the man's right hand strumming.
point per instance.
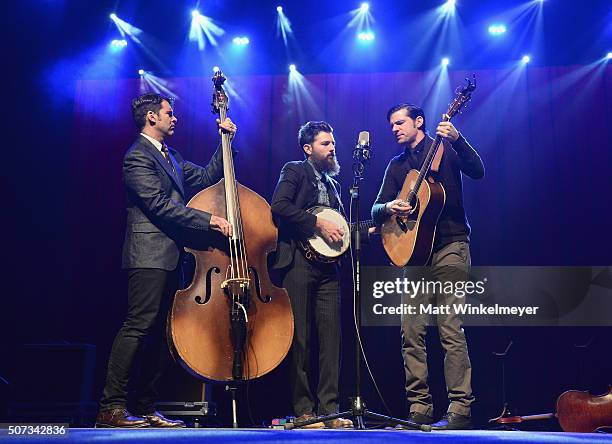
(399, 207)
(221, 225)
(330, 231)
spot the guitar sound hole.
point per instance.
(408, 223)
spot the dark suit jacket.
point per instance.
(157, 219)
(295, 192)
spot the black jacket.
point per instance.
(459, 157)
(158, 221)
(295, 192)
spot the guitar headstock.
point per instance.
(464, 95)
(220, 99)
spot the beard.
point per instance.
(327, 165)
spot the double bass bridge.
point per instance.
(236, 285)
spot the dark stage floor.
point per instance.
(314, 436)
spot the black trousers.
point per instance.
(140, 352)
(314, 293)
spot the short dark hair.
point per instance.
(412, 111)
(309, 131)
(144, 103)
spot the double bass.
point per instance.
(231, 323)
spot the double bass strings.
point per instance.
(237, 248)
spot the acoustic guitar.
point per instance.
(408, 240)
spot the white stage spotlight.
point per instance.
(497, 29)
(241, 41)
(366, 36)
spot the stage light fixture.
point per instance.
(203, 30)
(448, 8)
(445, 61)
(526, 59)
(119, 43)
(366, 36)
(279, 9)
(241, 41)
(364, 7)
(216, 69)
(497, 29)
(113, 16)
(292, 68)
(609, 56)
(141, 72)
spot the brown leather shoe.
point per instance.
(120, 417)
(339, 423)
(156, 419)
(306, 417)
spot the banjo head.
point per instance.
(318, 244)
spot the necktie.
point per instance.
(164, 150)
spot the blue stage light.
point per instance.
(447, 9)
(497, 29)
(113, 16)
(241, 41)
(366, 36)
(118, 44)
(445, 61)
(141, 72)
(364, 7)
(292, 68)
(609, 56)
(526, 59)
(279, 9)
(216, 69)
(203, 30)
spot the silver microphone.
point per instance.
(362, 149)
(364, 139)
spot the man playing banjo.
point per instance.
(313, 286)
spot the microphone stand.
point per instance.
(358, 410)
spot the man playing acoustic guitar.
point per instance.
(450, 260)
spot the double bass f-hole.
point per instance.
(198, 298)
(265, 299)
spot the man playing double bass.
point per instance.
(450, 261)
(158, 223)
(313, 287)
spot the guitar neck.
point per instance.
(433, 149)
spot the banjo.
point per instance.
(318, 249)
